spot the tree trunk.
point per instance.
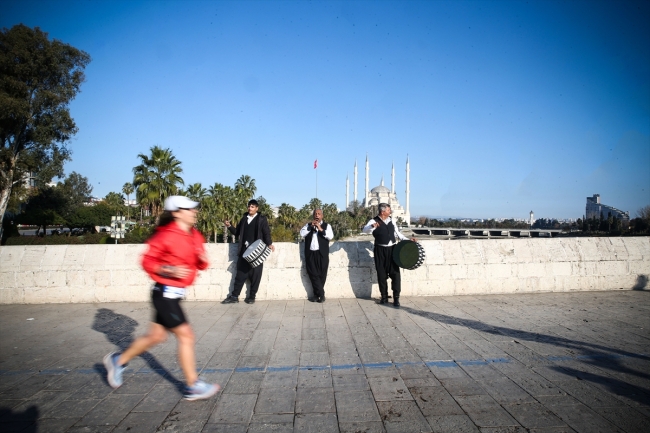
(6, 192)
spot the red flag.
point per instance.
(316, 164)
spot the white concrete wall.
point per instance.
(112, 273)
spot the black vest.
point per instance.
(323, 244)
(250, 230)
(385, 233)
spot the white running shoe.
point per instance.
(200, 390)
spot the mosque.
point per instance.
(381, 194)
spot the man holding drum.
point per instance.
(386, 235)
(318, 235)
(251, 227)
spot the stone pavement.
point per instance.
(551, 362)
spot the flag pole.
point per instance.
(316, 168)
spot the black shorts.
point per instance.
(168, 312)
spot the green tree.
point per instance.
(38, 79)
(45, 208)
(127, 189)
(246, 185)
(157, 177)
(196, 192)
(77, 190)
(115, 202)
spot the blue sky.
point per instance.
(502, 106)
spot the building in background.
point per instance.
(381, 193)
(595, 209)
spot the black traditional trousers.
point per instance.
(386, 267)
(246, 271)
(317, 270)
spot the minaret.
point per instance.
(382, 180)
(408, 192)
(366, 199)
(392, 179)
(347, 191)
(355, 180)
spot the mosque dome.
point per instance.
(380, 189)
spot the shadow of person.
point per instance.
(641, 282)
(360, 266)
(304, 277)
(589, 353)
(26, 422)
(120, 331)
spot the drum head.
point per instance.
(406, 254)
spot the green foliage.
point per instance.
(45, 208)
(95, 238)
(90, 216)
(156, 178)
(138, 235)
(280, 233)
(38, 79)
(115, 201)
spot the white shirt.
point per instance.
(329, 235)
(250, 218)
(368, 228)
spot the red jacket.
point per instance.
(171, 245)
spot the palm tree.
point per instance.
(246, 185)
(157, 177)
(128, 190)
(196, 192)
(287, 215)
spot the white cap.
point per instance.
(175, 202)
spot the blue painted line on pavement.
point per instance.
(441, 364)
(372, 365)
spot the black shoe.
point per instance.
(249, 300)
(321, 299)
(383, 301)
(230, 300)
(396, 303)
(312, 299)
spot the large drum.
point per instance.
(409, 255)
(256, 253)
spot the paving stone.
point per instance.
(316, 423)
(161, 398)
(225, 428)
(505, 391)
(452, 423)
(276, 400)
(54, 425)
(30, 386)
(625, 418)
(315, 400)
(234, 409)
(463, 386)
(188, 416)
(314, 378)
(362, 427)
(350, 382)
(389, 388)
(280, 379)
(404, 416)
(111, 410)
(356, 406)
(248, 382)
(72, 409)
(141, 422)
(534, 415)
(435, 401)
(484, 411)
(582, 419)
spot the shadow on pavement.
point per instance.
(19, 421)
(589, 353)
(119, 330)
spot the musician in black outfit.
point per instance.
(318, 235)
(251, 227)
(386, 236)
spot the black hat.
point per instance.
(253, 202)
